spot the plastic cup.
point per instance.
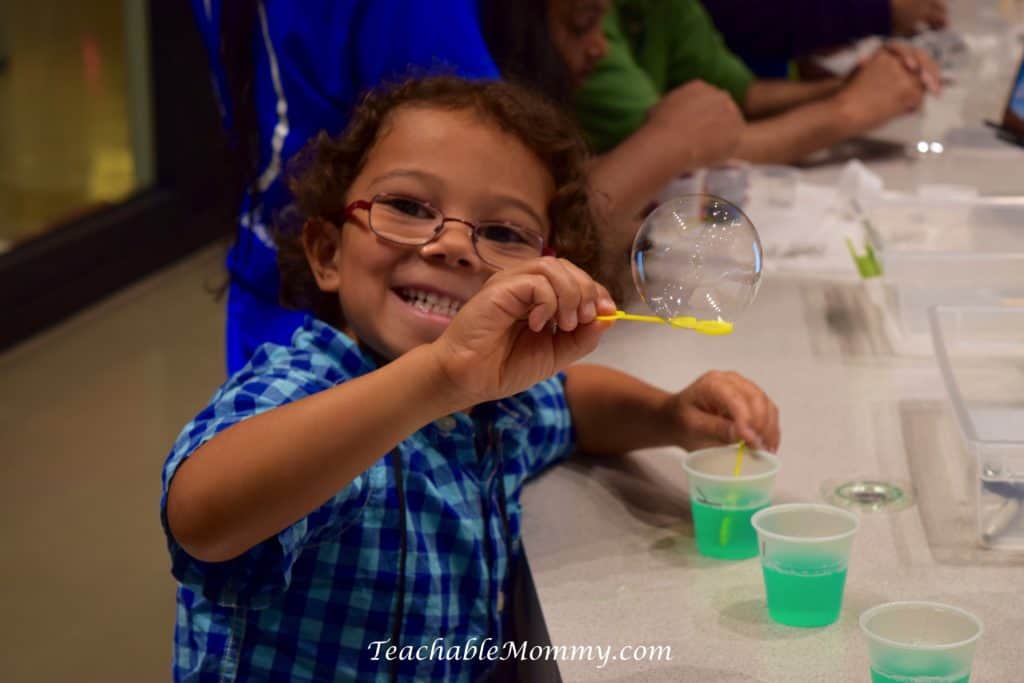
(920, 642)
(731, 182)
(681, 186)
(805, 549)
(776, 185)
(723, 503)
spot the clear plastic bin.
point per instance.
(980, 351)
(935, 250)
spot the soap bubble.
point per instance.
(697, 256)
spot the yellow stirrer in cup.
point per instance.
(725, 531)
(740, 450)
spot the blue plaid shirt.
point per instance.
(306, 604)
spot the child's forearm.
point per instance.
(613, 412)
(263, 474)
(767, 97)
(793, 135)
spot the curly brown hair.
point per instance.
(320, 175)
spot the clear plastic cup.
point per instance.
(723, 503)
(775, 185)
(920, 642)
(939, 115)
(731, 182)
(681, 186)
(805, 548)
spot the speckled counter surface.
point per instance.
(611, 539)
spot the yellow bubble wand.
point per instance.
(686, 322)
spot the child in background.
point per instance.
(360, 488)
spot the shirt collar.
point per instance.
(317, 336)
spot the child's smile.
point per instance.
(430, 302)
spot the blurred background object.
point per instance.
(88, 143)
(110, 152)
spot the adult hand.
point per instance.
(882, 88)
(704, 120)
(909, 15)
(917, 61)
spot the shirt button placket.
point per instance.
(446, 424)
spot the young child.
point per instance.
(359, 489)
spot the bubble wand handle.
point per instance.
(711, 327)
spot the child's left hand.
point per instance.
(722, 408)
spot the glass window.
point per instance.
(75, 111)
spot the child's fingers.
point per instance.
(605, 302)
(530, 292)
(764, 416)
(594, 298)
(712, 428)
(918, 63)
(906, 55)
(572, 346)
(734, 404)
(588, 292)
(550, 290)
(931, 72)
(757, 410)
(566, 288)
(730, 395)
(774, 436)
(534, 294)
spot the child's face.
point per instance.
(466, 167)
(576, 30)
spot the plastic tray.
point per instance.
(955, 251)
(980, 351)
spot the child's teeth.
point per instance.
(431, 302)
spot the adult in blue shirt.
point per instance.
(284, 70)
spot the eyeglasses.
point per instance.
(407, 221)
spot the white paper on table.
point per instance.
(841, 63)
(810, 235)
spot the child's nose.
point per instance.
(453, 246)
(598, 48)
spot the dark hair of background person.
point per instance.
(238, 28)
(518, 36)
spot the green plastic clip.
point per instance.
(867, 263)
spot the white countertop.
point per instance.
(611, 540)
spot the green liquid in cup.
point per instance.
(724, 533)
(804, 598)
(924, 677)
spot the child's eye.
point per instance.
(408, 207)
(504, 234)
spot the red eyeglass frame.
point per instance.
(365, 205)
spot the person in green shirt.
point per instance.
(653, 46)
(666, 96)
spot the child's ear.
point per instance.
(321, 241)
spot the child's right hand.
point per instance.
(502, 342)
